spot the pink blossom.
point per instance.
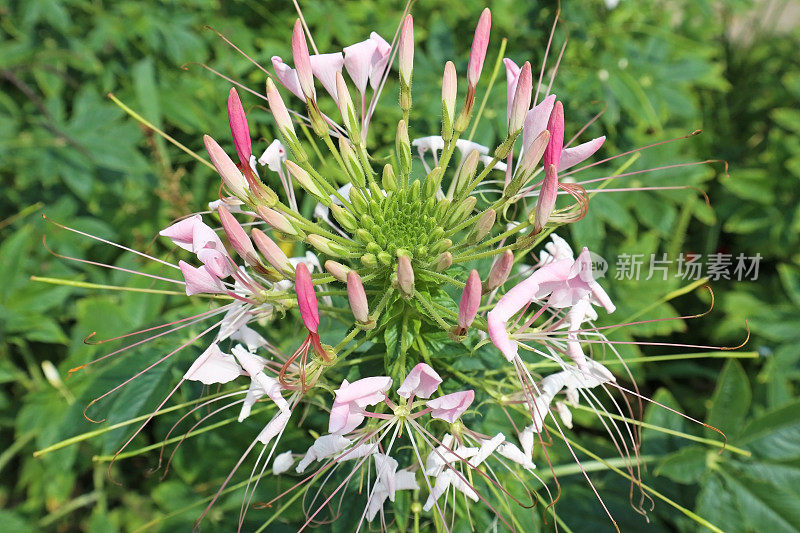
(451, 406)
(351, 399)
(422, 381)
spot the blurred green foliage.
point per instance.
(659, 70)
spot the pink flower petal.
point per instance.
(213, 366)
(287, 76)
(572, 156)
(217, 262)
(512, 73)
(200, 280)
(536, 120)
(364, 391)
(380, 59)
(181, 232)
(358, 62)
(451, 406)
(422, 381)
(325, 67)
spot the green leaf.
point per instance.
(685, 465)
(731, 399)
(765, 506)
(775, 434)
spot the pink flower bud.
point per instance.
(302, 61)
(405, 276)
(422, 381)
(231, 176)
(306, 298)
(239, 128)
(237, 236)
(470, 301)
(200, 280)
(522, 99)
(547, 198)
(279, 112)
(533, 153)
(357, 297)
(552, 154)
(406, 50)
(479, 45)
(272, 252)
(500, 271)
(337, 270)
(275, 220)
(451, 406)
(449, 89)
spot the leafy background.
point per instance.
(661, 69)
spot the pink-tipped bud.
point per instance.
(279, 111)
(275, 220)
(357, 297)
(345, 103)
(547, 198)
(231, 176)
(239, 128)
(444, 261)
(552, 154)
(337, 270)
(406, 50)
(533, 153)
(522, 99)
(306, 298)
(449, 90)
(470, 301)
(237, 236)
(405, 276)
(302, 61)
(304, 179)
(500, 271)
(479, 45)
(272, 252)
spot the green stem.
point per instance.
(87, 285)
(495, 71)
(429, 307)
(91, 434)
